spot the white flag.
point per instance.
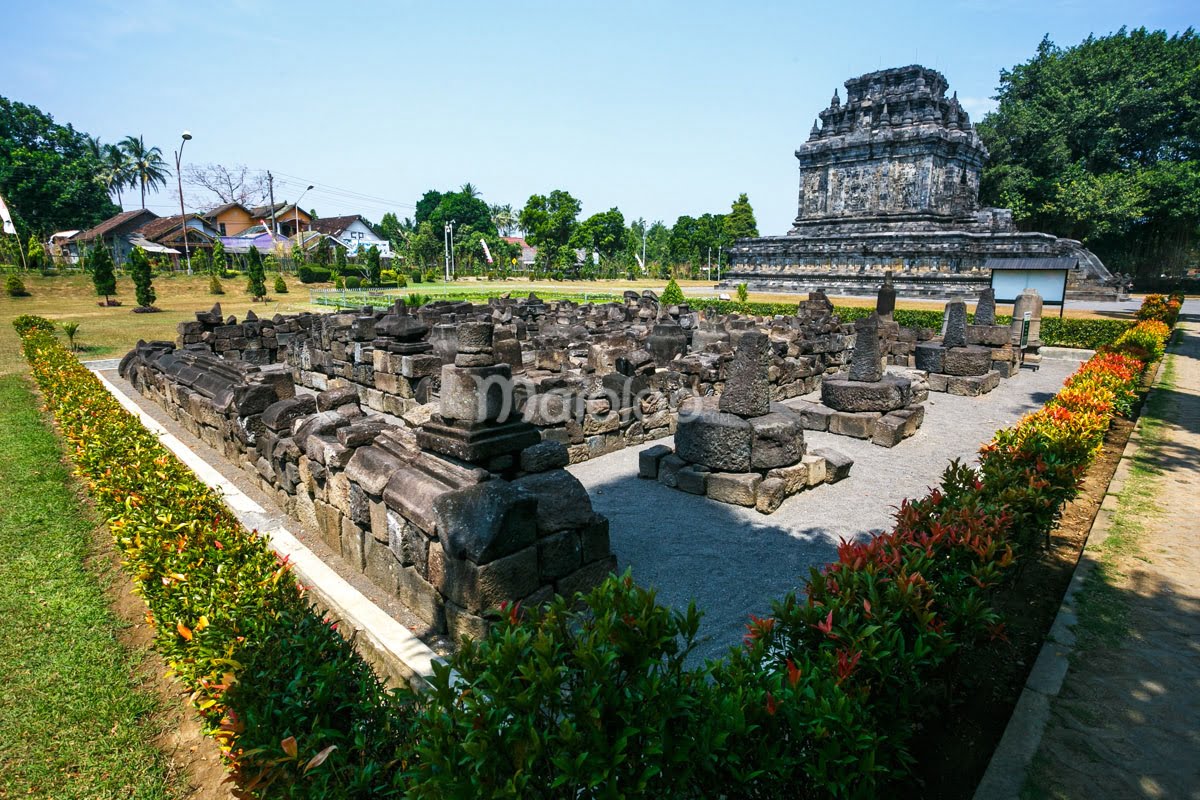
(486, 251)
(6, 219)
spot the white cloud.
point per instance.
(977, 107)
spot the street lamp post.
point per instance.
(296, 216)
(187, 135)
(449, 241)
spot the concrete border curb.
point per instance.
(388, 644)
(1010, 763)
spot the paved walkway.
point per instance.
(1126, 723)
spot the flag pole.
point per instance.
(11, 227)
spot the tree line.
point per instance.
(602, 245)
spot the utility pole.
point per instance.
(271, 192)
(718, 264)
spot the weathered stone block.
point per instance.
(544, 456)
(938, 382)
(587, 577)
(888, 430)
(419, 596)
(930, 357)
(735, 488)
(973, 385)
(718, 440)
(280, 415)
(771, 494)
(380, 565)
(562, 502)
(478, 587)
(692, 479)
(747, 388)
(970, 360)
(860, 425)
(594, 540)
(559, 555)
(669, 469)
(794, 477)
(837, 464)
(887, 394)
(486, 521)
(817, 469)
(813, 416)
(777, 439)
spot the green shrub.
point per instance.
(15, 287)
(311, 274)
(339, 282)
(672, 295)
(608, 680)
(256, 279)
(29, 323)
(280, 285)
(353, 282)
(214, 285)
(743, 292)
(139, 270)
(416, 276)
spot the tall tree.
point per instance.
(390, 229)
(504, 219)
(739, 222)
(146, 165)
(116, 172)
(99, 262)
(427, 205)
(140, 272)
(469, 189)
(1101, 142)
(372, 270)
(603, 232)
(48, 173)
(218, 258)
(549, 220)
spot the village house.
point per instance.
(118, 233)
(352, 231)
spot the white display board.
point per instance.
(1051, 284)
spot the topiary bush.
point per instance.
(15, 287)
(214, 285)
(352, 282)
(310, 274)
(280, 285)
(672, 295)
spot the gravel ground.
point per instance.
(733, 561)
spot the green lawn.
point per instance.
(76, 723)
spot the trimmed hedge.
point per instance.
(310, 274)
(590, 697)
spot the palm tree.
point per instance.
(146, 165)
(503, 218)
(469, 190)
(115, 170)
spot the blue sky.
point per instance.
(658, 108)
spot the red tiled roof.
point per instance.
(113, 224)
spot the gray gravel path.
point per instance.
(734, 561)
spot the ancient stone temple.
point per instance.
(889, 180)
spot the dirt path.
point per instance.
(1126, 723)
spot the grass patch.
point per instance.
(75, 723)
(1103, 608)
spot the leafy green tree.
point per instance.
(147, 168)
(504, 218)
(391, 229)
(465, 210)
(427, 205)
(202, 262)
(49, 176)
(324, 254)
(35, 254)
(142, 275)
(372, 269)
(1101, 142)
(115, 172)
(256, 284)
(739, 222)
(603, 232)
(339, 260)
(424, 247)
(549, 221)
(99, 262)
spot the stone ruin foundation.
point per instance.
(452, 518)
(742, 448)
(969, 360)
